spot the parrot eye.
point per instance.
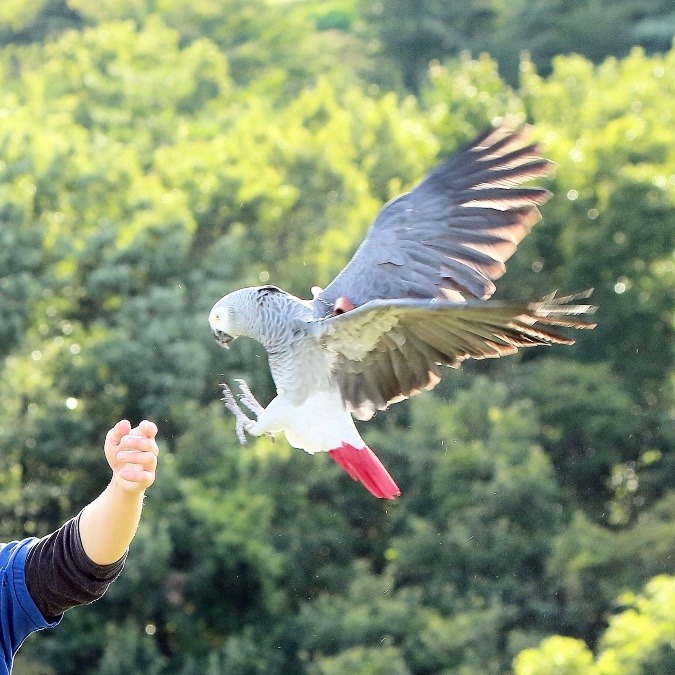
(221, 317)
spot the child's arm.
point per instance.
(109, 523)
(76, 564)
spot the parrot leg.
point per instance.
(248, 399)
(243, 422)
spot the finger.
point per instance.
(140, 443)
(148, 428)
(135, 474)
(146, 460)
(115, 435)
(145, 428)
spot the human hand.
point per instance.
(132, 454)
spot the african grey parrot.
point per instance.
(412, 298)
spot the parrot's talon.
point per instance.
(240, 430)
(243, 423)
(248, 399)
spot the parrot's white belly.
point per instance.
(319, 424)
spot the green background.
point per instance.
(156, 154)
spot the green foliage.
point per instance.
(156, 155)
(638, 640)
(556, 655)
(129, 650)
(411, 34)
(362, 661)
(606, 430)
(588, 563)
(28, 20)
(627, 197)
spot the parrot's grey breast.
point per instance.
(299, 364)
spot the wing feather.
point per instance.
(454, 231)
(388, 350)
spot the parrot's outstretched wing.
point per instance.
(388, 350)
(451, 235)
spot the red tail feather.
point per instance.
(362, 464)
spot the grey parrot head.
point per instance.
(236, 314)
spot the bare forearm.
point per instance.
(109, 523)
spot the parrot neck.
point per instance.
(278, 322)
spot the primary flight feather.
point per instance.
(413, 297)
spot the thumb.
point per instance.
(114, 436)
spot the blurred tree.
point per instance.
(546, 28)
(637, 640)
(414, 33)
(556, 654)
(411, 34)
(25, 21)
(361, 661)
(589, 563)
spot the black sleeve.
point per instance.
(60, 575)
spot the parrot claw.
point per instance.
(240, 430)
(248, 399)
(243, 422)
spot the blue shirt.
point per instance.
(19, 616)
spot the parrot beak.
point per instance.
(222, 338)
